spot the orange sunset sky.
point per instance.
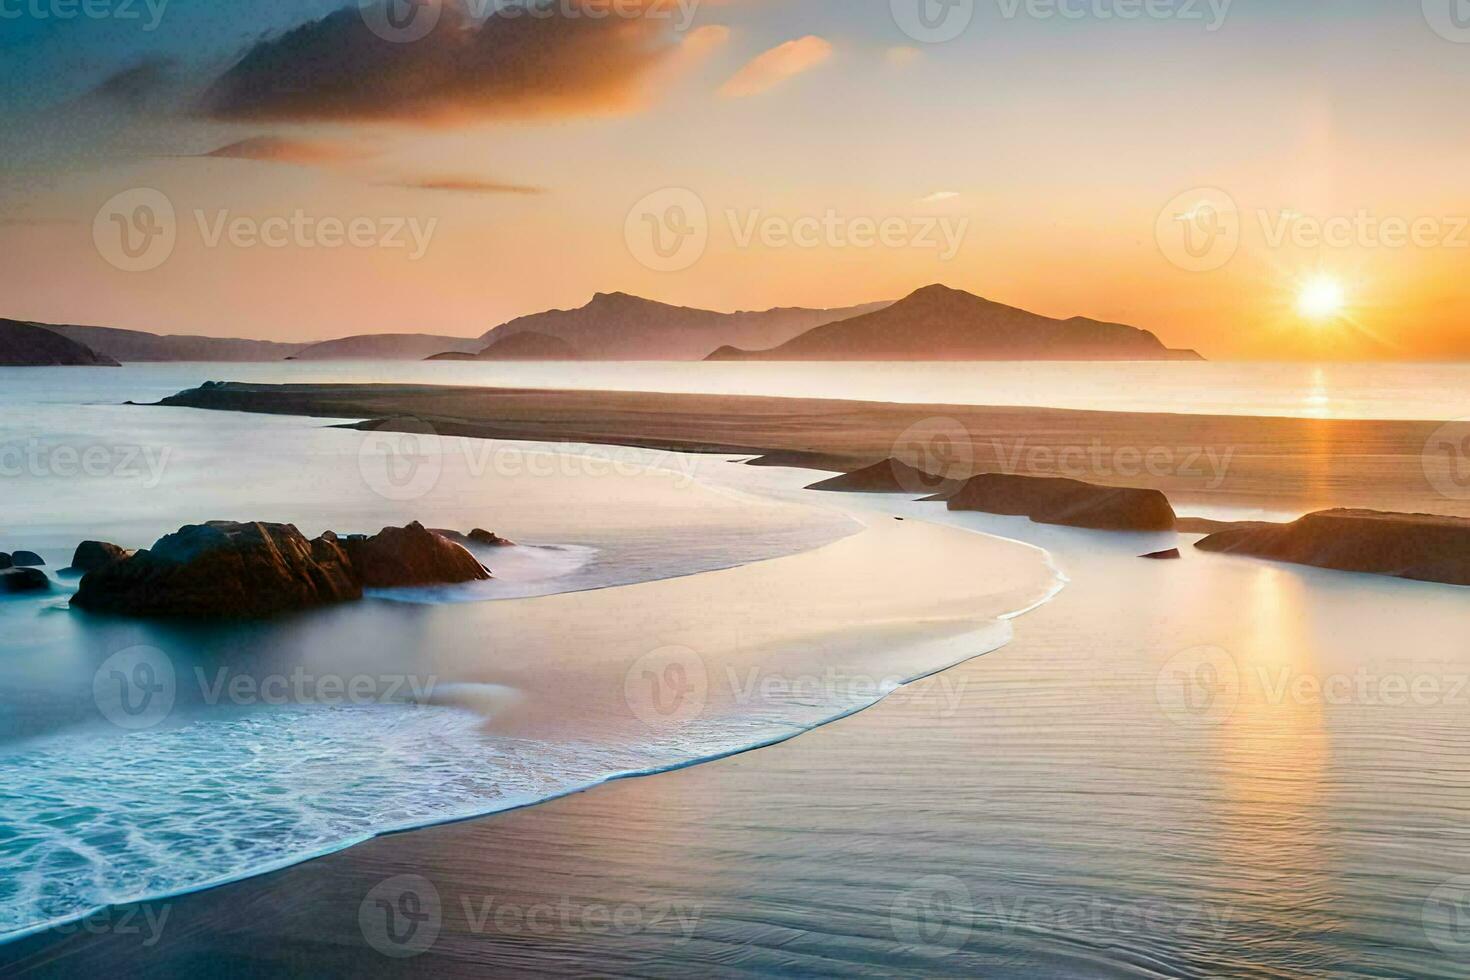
(1068, 148)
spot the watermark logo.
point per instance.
(943, 235)
(1200, 686)
(669, 686)
(933, 21)
(402, 464)
(668, 230)
(65, 10)
(401, 917)
(1199, 230)
(1446, 916)
(401, 21)
(1446, 460)
(1450, 19)
(136, 230)
(135, 688)
(935, 913)
(942, 452)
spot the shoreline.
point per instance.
(1265, 464)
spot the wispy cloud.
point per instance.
(464, 185)
(280, 149)
(777, 65)
(939, 196)
(902, 56)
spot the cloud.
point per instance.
(938, 196)
(775, 66)
(138, 85)
(522, 67)
(464, 185)
(280, 149)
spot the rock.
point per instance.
(6, 561)
(27, 559)
(23, 580)
(413, 555)
(490, 539)
(223, 569)
(1070, 503)
(1171, 555)
(889, 476)
(1421, 547)
(92, 555)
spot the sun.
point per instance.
(1321, 298)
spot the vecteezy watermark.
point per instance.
(1205, 685)
(1199, 686)
(1199, 230)
(934, 914)
(137, 231)
(1097, 460)
(145, 921)
(33, 457)
(1446, 917)
(1450, 19)
(1203, 229)
(138, 688)
(943, 455)
(933, 21)
(1446, 460)
(149, 13)
(668, 686)
(941, 234)
(1211, 13)
(944, 690)
(404, 916)
(668, 230)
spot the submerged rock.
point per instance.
(1171, 555)
(413, 555)
(223, 569)
(92, 555)
(27, 559)
(1422, 547)
(23, 580)
(1069, 503)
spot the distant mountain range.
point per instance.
(934, 323)
(937, 323)
(24, 344)
(619, 327)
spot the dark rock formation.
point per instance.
(27, 559)
(223, 569)
(23, 580)
(413, 555)
(6, 561)
(1422, 547)
(889, 476)
(92, 555)
(490, 538)
(527, 346)
(1171, 555)
(1070, 503)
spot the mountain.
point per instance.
(528, 346)
(137, 345)
(937, 323)
(619, 327)
(30, 344)
(387, 347)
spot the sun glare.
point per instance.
(1321, 298)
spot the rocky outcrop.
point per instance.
(889, 476)
(23, 580)
(413, 555)
(6, 561)
(27, 559)
(92, 555)
(1070, 503)
(490, 539)
(1421, 547)
(1171, 555)
(225, 569)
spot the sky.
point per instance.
(1256, 179)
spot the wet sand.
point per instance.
(1277, 466)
